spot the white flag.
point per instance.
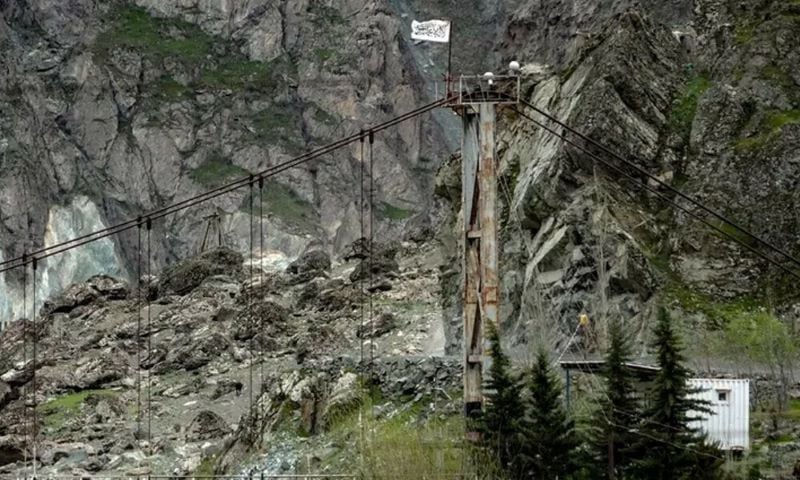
(431, 31)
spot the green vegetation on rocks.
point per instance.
(285, 204)
(391, 212)
(771, 127)
(59, 410)
(685, 107)
(216, 171)
(210, 62)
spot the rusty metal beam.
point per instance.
(480, 247)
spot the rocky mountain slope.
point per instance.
(112, 108)
(230, 362)
(707, 104)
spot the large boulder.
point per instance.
(311, 264)
(207, 425)
(381, 263)
(7, 394)
(11, 449)
(99, 287)
(185, 276)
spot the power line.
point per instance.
(662, 183)
(46, 252)
(661, 195)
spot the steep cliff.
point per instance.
(126, 107)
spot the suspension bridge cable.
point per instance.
(660, 195)
(251, 320)
(664, 184)
(56, 249)
(139, 333)
(371, 314)
(261, 283)
(362, 300)
(25, 387)
(149, 225)
(362, 222)
(34, 428)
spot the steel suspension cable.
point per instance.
(34, 427)
(661, 196)
(56, 249)
(139, 333)
(149, 225)
(371, 315)
(362, 222)
(261, 283)
(251, 320)
(25, 388)
(663, 184)
(362, 299)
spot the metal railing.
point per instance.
(498, 89)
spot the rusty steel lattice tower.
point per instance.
(477, 102)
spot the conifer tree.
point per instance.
(550, 438)
(675, 449)
(502, 421)
(616, 419)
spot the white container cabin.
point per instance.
(729, 400)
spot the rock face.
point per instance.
(702, 104)
(131, 106)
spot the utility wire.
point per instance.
(46, 252)
(660, 195)
(662, 183)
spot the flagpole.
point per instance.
(450, 60)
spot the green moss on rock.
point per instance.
(216, 171)
(685, 108)
(61, 409)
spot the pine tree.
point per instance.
(617, 417)
(502, 422)
(675, 449)
(550, 438)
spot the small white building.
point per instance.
(729, 399)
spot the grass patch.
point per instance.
(206, 468)
(58, 411)
(283, 203)
(770, 129)
(778, 120)
(719, 313)
(778, 75)
(278, 123)
(407, 447)
(133, 27)
(324, 117)
(215, 171)
(744, 33)
(685, 108)
(391, 212)
(324, 54)
(167, 88)
(210, 61)
(240, 74)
